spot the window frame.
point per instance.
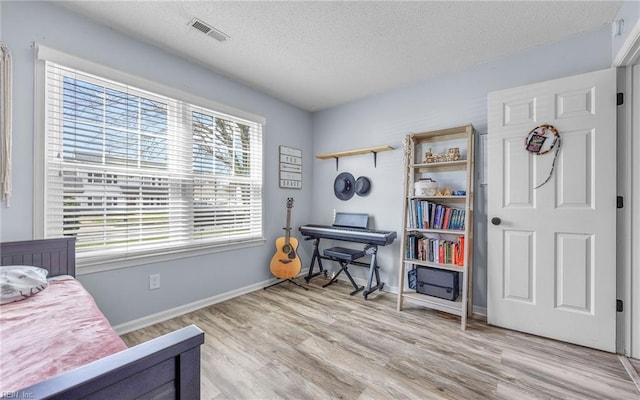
(40, 186)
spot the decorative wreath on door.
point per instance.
(541, 140)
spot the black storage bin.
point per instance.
(438, 283)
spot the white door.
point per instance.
(552, 255)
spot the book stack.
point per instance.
(436, 250)
(425, 214)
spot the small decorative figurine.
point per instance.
(445, 191)
(434, 157)
(453, 154)
(428, 156)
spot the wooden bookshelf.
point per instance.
(419, 232)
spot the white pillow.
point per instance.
(18, 282)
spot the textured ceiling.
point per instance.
(320, 54)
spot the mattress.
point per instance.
(58, 329)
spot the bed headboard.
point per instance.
(58, 256)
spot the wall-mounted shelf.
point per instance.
(338, 154)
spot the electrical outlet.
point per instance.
(154, 281)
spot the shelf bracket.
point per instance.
(375, 160)
(337, 155)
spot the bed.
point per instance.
(167, 367)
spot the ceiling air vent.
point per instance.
(208, 29)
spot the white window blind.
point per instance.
(130, 172)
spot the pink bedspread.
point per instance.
(54, 331)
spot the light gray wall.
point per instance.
(456, 99)
(123, 294)
(630, 13)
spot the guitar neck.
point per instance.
(288, 228)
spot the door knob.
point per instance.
(496, 221)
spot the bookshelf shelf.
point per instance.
(440, 198)
(436, 303)
(440, 231)
(446, 165)
(437, 230)
(448, 267)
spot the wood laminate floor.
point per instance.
(288, 343)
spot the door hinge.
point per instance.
(619, 305)
(619, 98)
(619, 202)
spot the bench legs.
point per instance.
(344, 266)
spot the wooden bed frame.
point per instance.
(167, 367)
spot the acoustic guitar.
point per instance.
(285, 264)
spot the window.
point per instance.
(131, 173)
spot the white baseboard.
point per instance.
(480, 311)
(149, 320)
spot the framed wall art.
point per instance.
(290, 168)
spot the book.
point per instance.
(461, 251)
(458, 221)
(441, 219)
(454, 255)
(447, 216)
(436, 217)
(425, 215)
(432, 217)
(434, 250)
(410, 214)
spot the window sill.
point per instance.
(112, 262)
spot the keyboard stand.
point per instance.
(318, 257)
(370, 249)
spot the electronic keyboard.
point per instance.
(349, 234)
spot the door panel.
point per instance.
(519, 112)
(574, 268)
(575, 177)
(576, 103)
(518, 182)
(518, 266)
(551, 261)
